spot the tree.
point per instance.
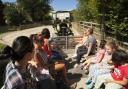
(113, 13)
(36, 9)
(13, 15)
(87, 10)
(2, 21)
(116, 14)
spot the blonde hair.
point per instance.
(112, 44)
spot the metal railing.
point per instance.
(84, 24)
(67, 42)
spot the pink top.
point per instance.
(99, 56)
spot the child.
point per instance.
(97, 58)
(102, 67)
(118, 79)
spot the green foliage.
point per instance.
(13, 15)
(1, 13)
(27, 11)
(87, 10)
(36, 9)
(117, 17)
(115, 12)
(1, 46)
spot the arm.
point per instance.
(100, 58)
(123, 82)
(89, 49)
(106, 67)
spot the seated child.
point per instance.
(97, 58)
(103, 67)
(118, 79)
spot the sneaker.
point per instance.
(83, 59)
(85, 67)
(82, 67)
(88, 81)
(76, 65)
(90, 86)
(86, 72)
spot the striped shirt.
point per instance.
(40, 73)
(41, 56)
(18, 78)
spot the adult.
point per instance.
(88, 48)
(17, 73)
(46, 47)
(59, 66)
(81, 43)
(41, 71)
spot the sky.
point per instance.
(58, 4)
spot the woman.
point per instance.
(97, 58)
(59, 66)
(41, 71)
(82, 42)
(46, 35)
(17, 72)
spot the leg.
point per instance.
(101, 79)
(76, 48)
(47, 84)
(78, 58)
(113, 86)
(61, 67)
(87, 61)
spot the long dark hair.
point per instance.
(102, 44)
(21, 45)
(45, 33)
(37, 39)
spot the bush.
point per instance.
(2, 47)
(3, 64)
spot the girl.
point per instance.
(118, 79)
(46, 47)
(102, 67)
(59, 66)
(97, 58)
(41, 71)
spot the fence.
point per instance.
(122, 41)
(67, 42)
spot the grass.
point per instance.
(2, 46)
(3, 64)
